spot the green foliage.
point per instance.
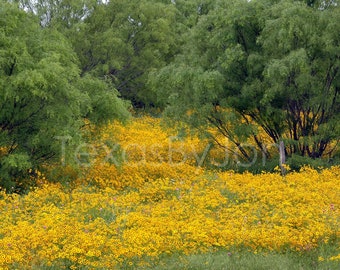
(104, 102)
(297, 162)
(302, 75)
(233, 65)
(259, 63)
(122, 41)
(13, 168)
(42, 97)
(59, 14)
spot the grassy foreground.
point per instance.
(245, 260)
(150, 206)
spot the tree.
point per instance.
(123, 40)
(42, 95)
(259, 64)
(61, 14)
(301, 78)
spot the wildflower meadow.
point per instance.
(177, 134)
(145, 198)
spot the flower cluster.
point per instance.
(141, 151)
(124, 214)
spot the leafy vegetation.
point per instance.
(260, 70)
(250, 65)
(43, 97)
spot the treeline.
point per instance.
(252, 69)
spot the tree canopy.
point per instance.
(247, 68)
(42, 95)
(273, 65)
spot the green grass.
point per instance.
(239, 260)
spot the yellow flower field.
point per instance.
(153, 199)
